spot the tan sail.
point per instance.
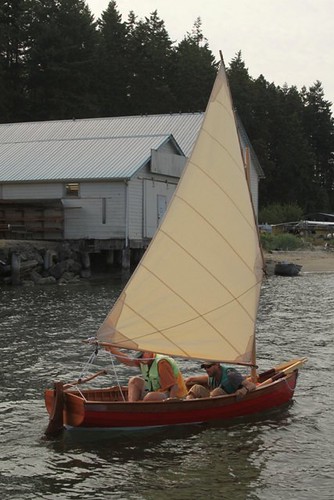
(195, 293)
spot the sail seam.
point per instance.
(199, 315)
(156, 330)
(231, 117)
(215, 229)
(134, 338)
(220, 187)
(209, 272)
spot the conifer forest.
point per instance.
(58, 62)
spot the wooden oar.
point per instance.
(287, 368)
(269, 373)
(84, 380)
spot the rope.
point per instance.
(289, 386)
(90, 361)
(80, 392)
(116, 377)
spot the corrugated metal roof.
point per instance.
(76, 159)
(88, 148)
(92, 147)
(184, 127)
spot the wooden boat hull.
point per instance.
(97, 409)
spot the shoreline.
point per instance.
(313, 261)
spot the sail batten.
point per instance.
(195, 293)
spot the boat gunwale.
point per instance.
(80, 413)
(211, 402)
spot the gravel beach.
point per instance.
(315, 260)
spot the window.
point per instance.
(72, 189)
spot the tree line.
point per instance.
(58, 62)
(293, 136)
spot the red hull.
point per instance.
(104, 414)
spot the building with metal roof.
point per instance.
(102, 180)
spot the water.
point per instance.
(283, 454)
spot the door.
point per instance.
(162, 206)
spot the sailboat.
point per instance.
(194, 295)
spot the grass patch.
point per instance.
(285, 242)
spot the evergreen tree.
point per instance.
(261, 130)
(273, 118)
(61, 60)
(242, 91)
(150, 50)
(113, 65)
(15, 18)
(293, 181)
(318, 122)
(252, 98)
(192, 71)
(56, 63)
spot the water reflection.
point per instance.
(171, 461)
(283, 454)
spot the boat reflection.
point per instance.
(220, 460)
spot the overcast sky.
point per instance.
(288, 41)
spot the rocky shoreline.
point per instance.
(30, 263)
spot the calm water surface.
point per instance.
(284, 454)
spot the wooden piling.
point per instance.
(15, 268)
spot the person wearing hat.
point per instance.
(160, 376)
(219, 380)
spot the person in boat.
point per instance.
(219, 380)
(160, 376)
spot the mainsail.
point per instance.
(195, 293)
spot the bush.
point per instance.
(282, 241)
(277, 213)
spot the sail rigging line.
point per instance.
(90, 361)
(116, 376)
(81, 393)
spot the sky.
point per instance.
(287, 41)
